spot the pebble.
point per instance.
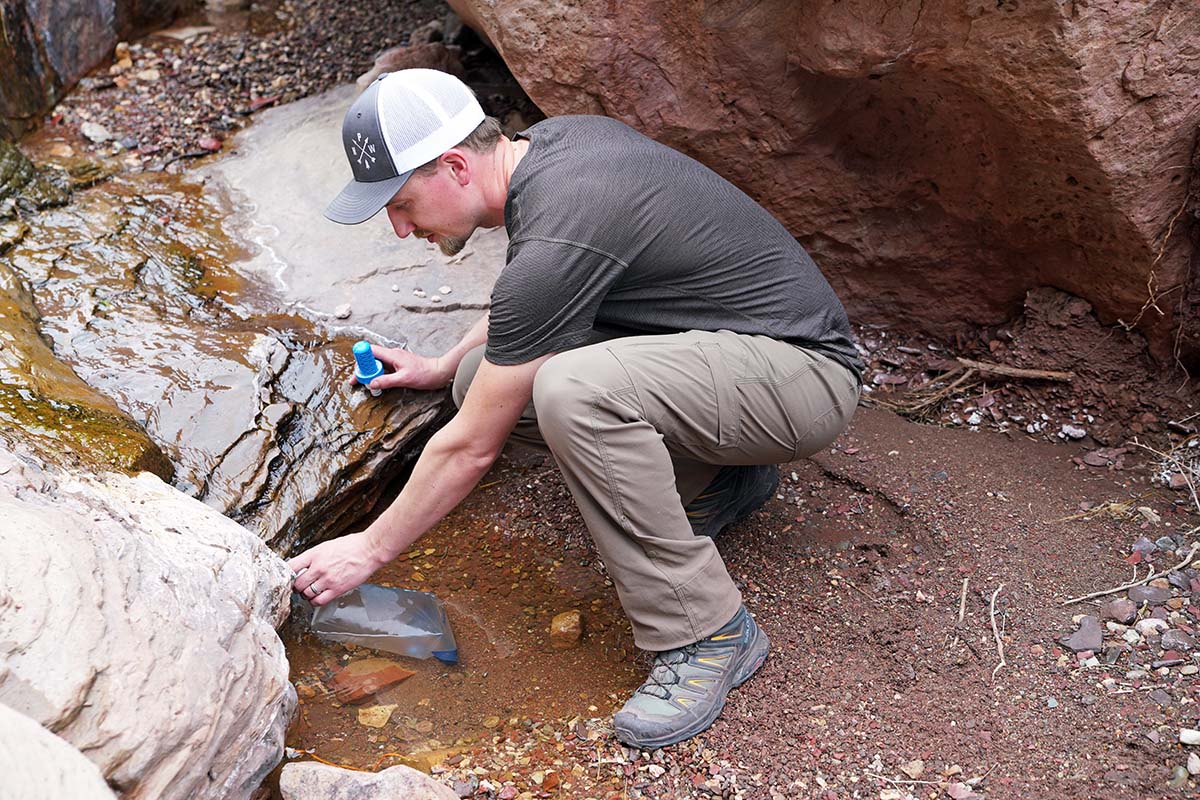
(1179, 777)
(445, 290)
(1131, 637)
(1144, 546)
(1177, 640)
(395, 288)
(1123, 611)
(1193, 764)
(657, 772)
(375, 716)
(1164, 543)
(1190, 669)
(1089, 636)
(342, 311)
(210, 143)
(95, 132)
(1149, 594)
(1051, 702)
(435, 299)
(418, 292)
(1189, 736)
(565, 629)
(1072, 432)
(1150, 626)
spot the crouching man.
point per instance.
(655, 328)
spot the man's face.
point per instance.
(430, 206)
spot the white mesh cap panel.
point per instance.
(423, 113)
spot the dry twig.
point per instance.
(1191, 554)
(996, 632)
(1018, 372)
(962, 602)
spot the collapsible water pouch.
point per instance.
(401, 621)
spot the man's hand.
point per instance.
(333, 568)
(407, 370)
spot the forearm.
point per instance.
(477, 335)
(444, 474)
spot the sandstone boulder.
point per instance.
(938, 158)
(309, 781)
(37, 765)
(139, 625)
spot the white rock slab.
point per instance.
(310, 781)
(37, 765)
(287, 166)
(139, 625)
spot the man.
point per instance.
(671, 335)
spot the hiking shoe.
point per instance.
(687, 686)
(736, 493)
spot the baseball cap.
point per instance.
(403, 120)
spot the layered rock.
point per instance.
(138, 625)
(40, 397)
(309, 781)
(938, 158)
(50, 44)
(37, 765)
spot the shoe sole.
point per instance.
(754, 658)
(723, 519)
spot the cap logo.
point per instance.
(362, 150)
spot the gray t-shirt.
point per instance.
(610, 231)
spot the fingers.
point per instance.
(391, 380)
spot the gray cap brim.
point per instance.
(360, 201)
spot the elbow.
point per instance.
(472, 453)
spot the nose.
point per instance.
(400, 222)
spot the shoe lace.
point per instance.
(663, 674)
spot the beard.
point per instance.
(449, 245)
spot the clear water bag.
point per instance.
(401, 621)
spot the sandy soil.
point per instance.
(856, 571)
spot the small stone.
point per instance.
(1144, 546)
(1089, 636)
(1165, 543)
(148, 75)
(95, 132)
(129, 143)
(565, 629)
(1149, 594)
(343, 311)
(1179, 777)
(1123, 611)
(435, 299)
(210, 143)
(1193, 763)
(913, 769)
(1189, 736)
(445, 289)
(974, 419)
(656, 771)
(507, 793)
(1073, 432)
(1178, 481)
(1151, 626)
(1178, 640)
(1179, 580)
(375, 716)
(491, 722)
(395, 287)
(1190, 669)
(1051, 702)
(1149, 514)
(418, 292)
(1131, 637)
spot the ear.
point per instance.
(459, 165)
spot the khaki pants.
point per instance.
(639, 426)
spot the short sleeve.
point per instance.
(546, 298)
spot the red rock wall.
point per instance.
(937, 157)
(47, 45)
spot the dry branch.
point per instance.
(1017, 372)
(996, 632)
(1147, 579)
